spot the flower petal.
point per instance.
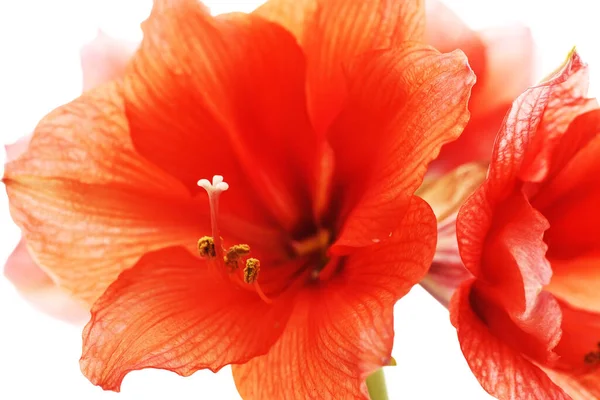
(226, 96)
(14, 150)
(509, 52)
(581, 388)
(171, 311)
(341, 330)
(580, 339)
(334, 32)
(445, 196)
(574, 279)
(447, 32)
(513, 260)
(537, 119)
(522, 151)
(104, 59)
(502, 371)
(392, 95)
(88, 204)
(39, 289)
(493, 55)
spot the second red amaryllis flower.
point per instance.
(528, 320)
(323, 131)
(503, 61)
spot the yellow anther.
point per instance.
(206, 247)
(234, 254)
(251, 270)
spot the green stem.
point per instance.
(376, 385)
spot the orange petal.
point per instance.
(341, 330)
(586, 387)
(334, 32)
(388, 133)
(501, 371)
(580, 339)
(171, 311)
(572, 280)
(88, 204)
(104, 59)
(225, 96)
(39, 289)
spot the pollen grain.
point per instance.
(235, 254)
(251, 270)
(206, 247)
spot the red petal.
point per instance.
(225, 96)
(501, 371)
(534, 334)
(513, 269)
(513, 259)
(579, 342)
(342, 329)
(536, 120)
(580, 337)
(104, 59)
(570, 201)
(522, 151)
(89, 206)
(39, 289)
(392, 95)
(334, 32)
(572, 158)
(493, 54)
(575, 230)
(171, 311)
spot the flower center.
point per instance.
(211, 247)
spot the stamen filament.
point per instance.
(261, 294)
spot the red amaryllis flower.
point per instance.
(501, 58)
(323, 129)
(102, 60)
(530, 237)
(503, 61)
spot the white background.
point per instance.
(39, 70)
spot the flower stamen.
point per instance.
(251, 275)
(214, 190)
(206, 247)
(234, 255)
(251, 271)
(211, 247)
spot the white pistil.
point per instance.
(213, 190)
